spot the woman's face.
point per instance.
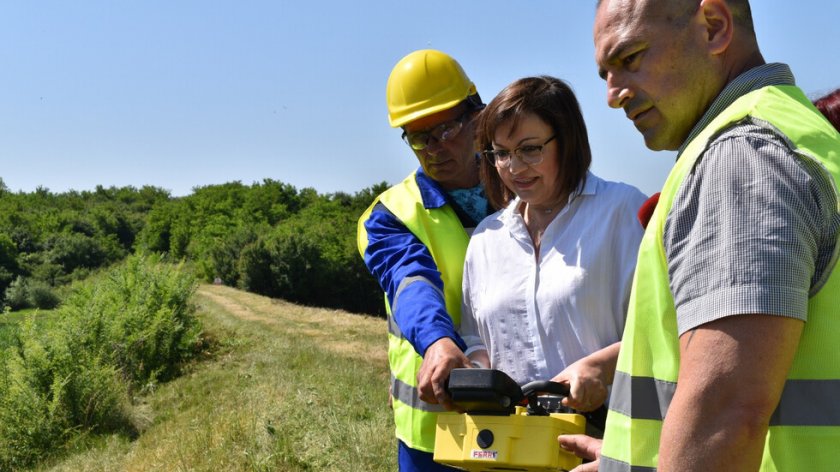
(537, 184)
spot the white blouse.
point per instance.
(537, 316)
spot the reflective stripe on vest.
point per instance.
(409, 395)
(612, 465)
(803, 402)
(805, 427)
(393, 328)
(392, 325)
(444, 235)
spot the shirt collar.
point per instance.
(762, 76)
(588, 188)
(430, 191)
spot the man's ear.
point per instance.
(717, 19)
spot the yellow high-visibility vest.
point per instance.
(804, 431)
(444, 235)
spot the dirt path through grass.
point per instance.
(336, 330)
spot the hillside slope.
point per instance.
(288, 388)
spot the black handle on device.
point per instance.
(596, 418)
(531, 389)
(547, 386)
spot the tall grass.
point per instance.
(10, 325)
(288, 388)
(76, 374)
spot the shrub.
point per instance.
(30, 293)
(118, 333)
(31, 420)
(8, 261)
(315, 261)
(254, 267)
(53, 388)
(140, 316)
(299, 269)
(73, 250)
(217, 254)
(16, 296)
(41, 295)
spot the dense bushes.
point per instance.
(315, 260)
(30, 293)
(268, 238)
(271, 239)
(49, 239)
(115, 335)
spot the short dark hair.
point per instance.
(554, 102)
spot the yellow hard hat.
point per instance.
(425, 82)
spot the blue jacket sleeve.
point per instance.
(394, 254)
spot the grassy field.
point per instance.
(8, 325)
(287, 388)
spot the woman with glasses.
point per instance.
(547, 277)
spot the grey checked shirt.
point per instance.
(754, 227)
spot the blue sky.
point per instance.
(180, 94)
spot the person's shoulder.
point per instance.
(746, 132)
(746, 148)
(399, 186)
(615, 191)
(492, 222)
(752, 152)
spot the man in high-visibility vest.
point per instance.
(413, 239)
(729, 359)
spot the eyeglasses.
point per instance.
(441, 133)
(530, 154)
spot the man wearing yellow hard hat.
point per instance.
(413, 239)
